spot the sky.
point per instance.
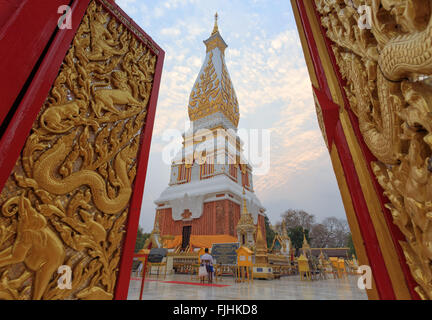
(267, 68)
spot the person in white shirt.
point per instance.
(207, 259)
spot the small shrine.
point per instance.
(282, 242)
(246, 228)
(155, 239)
(262, 269)
(303, 267)
(244, 257)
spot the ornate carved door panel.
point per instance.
(370, 66)
(73, 159)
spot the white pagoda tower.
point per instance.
(203, 203)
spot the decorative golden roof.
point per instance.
(213, 91)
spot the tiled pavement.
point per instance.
(181, 287)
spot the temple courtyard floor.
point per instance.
(182, 287)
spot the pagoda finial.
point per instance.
(215, 28)
(245, 211)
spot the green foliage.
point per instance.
(141, 238)
(351, 246)
(270, 234)
(296, 235)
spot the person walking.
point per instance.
(207, 259)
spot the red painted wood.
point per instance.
(123, 278)
(395, 233)
(7, 10)
(330, 114)
(13, 139)
(26, 27)
(382, 280)
(373, 251)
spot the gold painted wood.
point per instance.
(387, 68)
(332, 80)
(67, 199)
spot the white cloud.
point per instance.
(170, 32)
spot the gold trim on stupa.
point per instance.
(213, 91)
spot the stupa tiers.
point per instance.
(203, 203)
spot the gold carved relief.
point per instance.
(66, 201)
(212, 93)
(387, 68)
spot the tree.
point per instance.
(294, 218)
(337, 232)
(350, 244)
(141, 238)
(319, 236)
(296, 235)
(270, 234)
(330, 233)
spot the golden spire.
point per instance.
(213, 91)
(260, 248)
(304, 238)
(244, 202)
(260, 243)
(215, 28)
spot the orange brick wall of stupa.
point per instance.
(218, 218)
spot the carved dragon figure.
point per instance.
(45, 169)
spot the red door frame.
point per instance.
(18, 128)
(26, 27)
